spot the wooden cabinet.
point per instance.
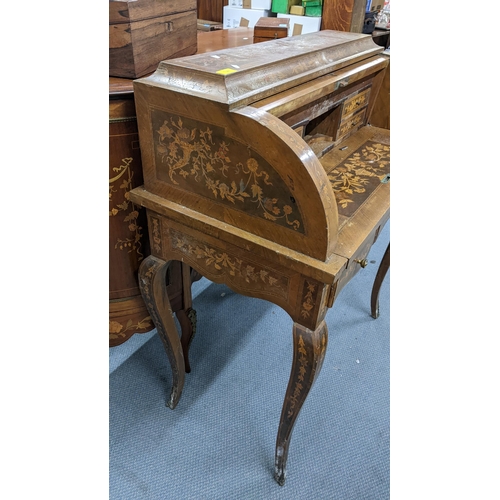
(381, 114)
(144, 32)
(211, 10)
(128, 235)
(128, 232)
(343, 15)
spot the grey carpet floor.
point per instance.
(219, 441)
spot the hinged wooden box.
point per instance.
(144, 32)
(270, 28)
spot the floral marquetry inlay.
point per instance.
(120, 185)
(155, 225)
(199, 158)
(364, 168)
(305, 362)
(309, 299)
(299, 383)
(117, 330)
(218, 261)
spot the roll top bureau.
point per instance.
(261, 171)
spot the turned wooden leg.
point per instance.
(379, 278)
(152, 283)
(309, 347)
(187, 315)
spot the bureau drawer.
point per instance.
(258, 39)
(358, 259)
(350, 124)
(355, 103)
(271, 33)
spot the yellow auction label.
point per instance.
(226, 71)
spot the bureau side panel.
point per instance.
(244, 168)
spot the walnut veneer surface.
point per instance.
(261, 172)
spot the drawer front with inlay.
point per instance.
(351, 124)
(355, 103)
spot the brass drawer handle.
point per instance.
(363, 263)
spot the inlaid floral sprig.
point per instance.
(124, 172)
(355, 172)
(193, 153)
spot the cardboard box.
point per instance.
(237, 4)
(313, 8)
(283, 6)
(312, 3)
(257, 4)
(234, 17)
(300, 25)
(314, 11)
(376, 5)
(297, 10)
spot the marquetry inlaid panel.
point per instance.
(358, 175)
(200, 158)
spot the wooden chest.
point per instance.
(144, 32)
(270, 28)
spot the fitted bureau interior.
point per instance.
(332, 119)
(338, 107)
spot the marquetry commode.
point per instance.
(128, 235)
(261, 171)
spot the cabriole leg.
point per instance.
(152, 283)
(187, 315)
(309, 347)
(187, 320)
(379, 278)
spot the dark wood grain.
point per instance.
(343, 15)
(381, 114)
(212, 10)
(143, 33)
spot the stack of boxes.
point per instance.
(245, 12)
(304, 15)
(313, 8)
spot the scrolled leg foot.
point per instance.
(280, 465)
